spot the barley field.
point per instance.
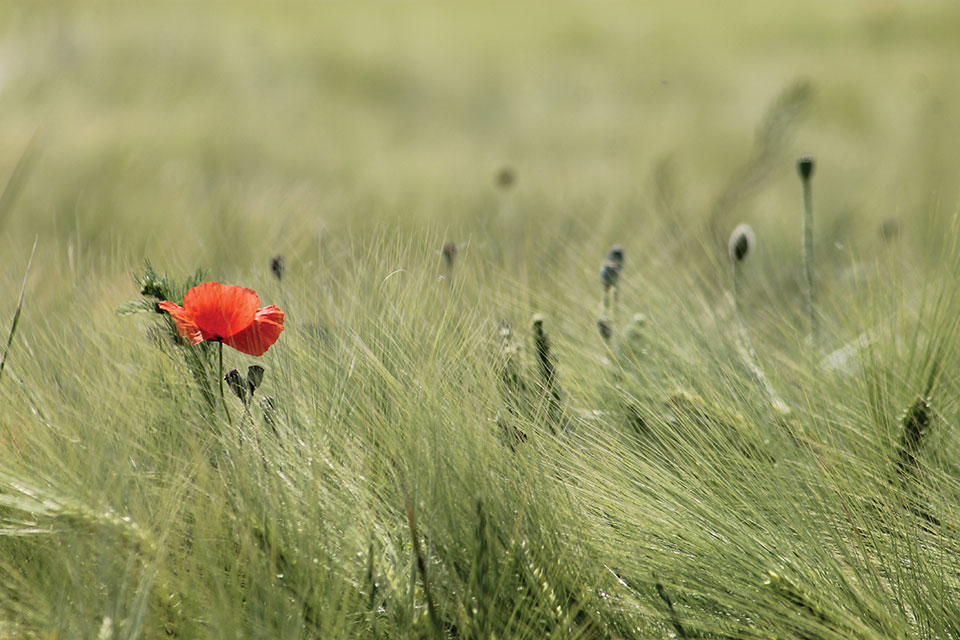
(600, 320)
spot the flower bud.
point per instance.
(449, 252)
(235, 381)
(603, 326)
(254, 377)
(278, 266)
(615, 255)
(609, 274)
(537, 323)
(741, 242)
(506, 176)
(805, 167)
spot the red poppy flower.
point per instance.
(228, 314)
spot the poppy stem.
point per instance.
(220, 379)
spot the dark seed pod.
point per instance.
(278, 266)
(603, 326)
(609, 274)
(254, 377)
(741, 244)
(915, 425)
(541, 343)
(449, 252)
(805, 167)
(615, 255)
(235, 381)
(506, 177)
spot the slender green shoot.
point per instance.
(16, 315)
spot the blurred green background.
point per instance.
(217, 134)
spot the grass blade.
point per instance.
(16, 315)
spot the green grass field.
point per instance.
(452, 450)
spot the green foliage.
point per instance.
(416, 458)
(199, 359)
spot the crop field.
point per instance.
(572, 320)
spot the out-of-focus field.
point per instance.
(219, 133)
(668, 489)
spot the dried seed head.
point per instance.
(603, 326)
(741, 244)
(506, 177)
(609, 274)
(537, 323)
(269, 407)
(254, 377)
(235, 381)
(615, 255)
(278, 266)
(805, 166)
(915, 422)
(449, 252)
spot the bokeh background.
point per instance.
(217, 134)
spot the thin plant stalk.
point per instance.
(738, 291)
(805, 169)
(610, 278)
(740, 246)
(422, 570)
(16, 315)
(223, 398)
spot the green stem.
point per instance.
(16, 315)
(223, 399)
(745, 346)
(808, 257)
(738, 291)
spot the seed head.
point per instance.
(449, 252)
(609, 274)
(235, 381)
(506, 176)
(269, 407)
(254, 377)
(615, 255)
(805, 166)
(741, 244)
(603, 326)
(278, 266)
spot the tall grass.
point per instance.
(440, 445)
(128, 498)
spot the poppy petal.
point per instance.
(186, 327)
(221, 310)
(262, 332)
